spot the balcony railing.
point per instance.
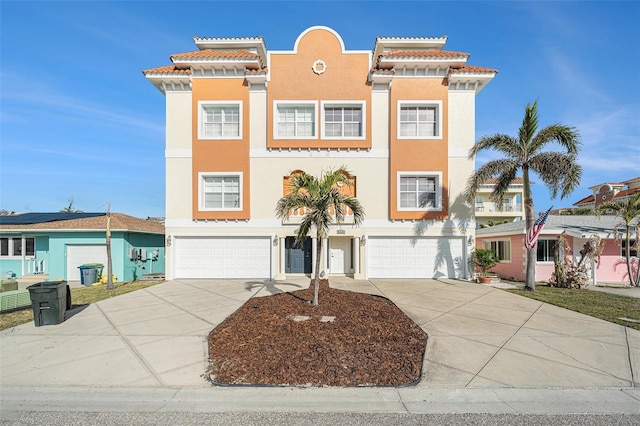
(35, 266)
(493, 208)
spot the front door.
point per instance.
(297, 258)
(339, 255)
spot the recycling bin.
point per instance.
(49, 301)
(88, 274)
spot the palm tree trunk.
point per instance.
(316, 281)
(632, 281)
(529, 214)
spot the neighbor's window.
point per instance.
(295, 121)
(418, 192)
(13, 246)
(623, 249)
(342, 121)
(220, 192)
(419, 120)
(220, 121)
(502, 249)
(546, 250)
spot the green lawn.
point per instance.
(606, 306)
(79, 297)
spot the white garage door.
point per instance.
(207, 257)
(415, 257)
(81, 254)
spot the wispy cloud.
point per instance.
(32, 93)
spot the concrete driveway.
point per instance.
(479, 338)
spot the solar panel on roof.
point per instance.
(32, 218)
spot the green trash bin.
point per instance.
(49, 300)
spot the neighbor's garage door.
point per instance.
(207, 257)
(414, 257)
(81, 254)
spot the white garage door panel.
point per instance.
(206, 257)
(414, 257)
(81, 254)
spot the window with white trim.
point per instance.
(546, 250)
(420, 120)
(343, 120)
(220, 120)
(220, 191)
(623, 248)
(295, 120)
(502, 249)
(12, 246)
(419, 191)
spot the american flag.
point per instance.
(532, 234)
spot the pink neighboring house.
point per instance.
(508, 242)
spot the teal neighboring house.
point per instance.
(49, 246)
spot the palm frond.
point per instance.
(484, 173)
(559, 171)
(504, 144)
(529, 126)
(567, 137)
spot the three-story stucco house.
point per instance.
(240, 119)
(489, 213)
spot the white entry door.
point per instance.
(339, 255)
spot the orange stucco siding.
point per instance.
(221, 155)
(344, 79)
(418, 154)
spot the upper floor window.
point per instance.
(344, 120)
(220, 120)
(295, 120)
(419, 191)
(502, 249)
(220, 191)
(546, 250)
(623, 249)
(420, 120)
(12, 247)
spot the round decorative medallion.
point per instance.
(604, 197)
(319, 67)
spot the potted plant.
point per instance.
(484, 259)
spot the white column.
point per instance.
(325, 254)
(24, 246)
(314, 253)
(356, 255)
(282, 254)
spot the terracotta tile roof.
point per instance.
(258, 71)
(119, 222)
(168, 69)
(493, 181)
(586, 200)
(427, 54)
(472, 69)
(216, 54)
(383, 71)
(626, 192)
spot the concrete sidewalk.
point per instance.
(487, 350)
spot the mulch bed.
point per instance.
(370, 342)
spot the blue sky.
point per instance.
(79, 121)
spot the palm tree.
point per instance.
(627, 209)
(320, 198)
(70, 208)
(558, 170)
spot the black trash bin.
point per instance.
(49, 301)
